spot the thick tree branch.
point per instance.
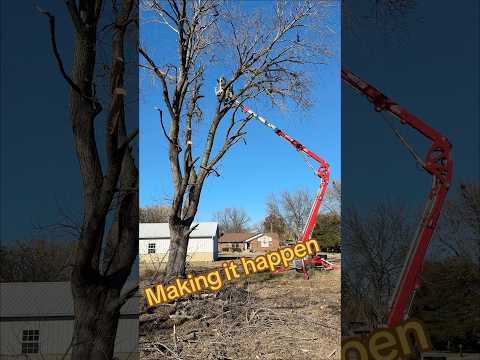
(128, 140)
(51, 21)
(165, 131)
(58, 58)
(163, 77)
(75, 15)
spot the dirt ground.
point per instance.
(264, 316)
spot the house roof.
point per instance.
(40, 299)
(237, 237)
(162, 230)
(272, 235)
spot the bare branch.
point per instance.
(232, 220)
(58, 58)
(165, 131)
(124, 298)
(209, 170)
(162, 76)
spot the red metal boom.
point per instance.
(322, 172)
(439, 164)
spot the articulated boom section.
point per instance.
(322, 172)
(438, 163)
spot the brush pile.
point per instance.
(266, 316)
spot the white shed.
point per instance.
(36, 321)
(155, 241)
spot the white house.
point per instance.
(155, 240)
(36, 322)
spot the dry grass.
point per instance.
(265, 316)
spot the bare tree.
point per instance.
(471, 204)
(374, 245)
(265, 57)
(36, 260)
(296, 208)
(107, 245)
(291, 211)
(386, 15)
(232, 220)
(154, 214)
(333, 198)
(459, 225)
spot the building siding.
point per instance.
(199, 249)
(55, 337)
(151, 260)
(48, 308)
(256, 245)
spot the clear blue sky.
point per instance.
(431, 70)
(267, 164)
(39, 170)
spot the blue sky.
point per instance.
(266, 164)
(431, 70)
(39, 170)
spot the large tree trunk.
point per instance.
(177, 253)
(95, 325)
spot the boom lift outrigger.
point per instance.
(322, 172)
(439, 164)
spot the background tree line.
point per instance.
(288, 212)
(36, 260)
(153, 214)
(286, 215)
(375, 244)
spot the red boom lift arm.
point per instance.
(322, 172)
(439, 164)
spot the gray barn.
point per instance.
(36, 321)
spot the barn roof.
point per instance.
(41, 299)
(162, 231)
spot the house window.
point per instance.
(151, 248)
(30, 341)
(265, 242)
